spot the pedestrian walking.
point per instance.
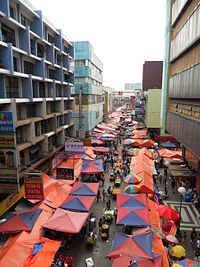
(98, 196)
(115, 213)
(173, 184)
(184, 238)
(197, 252)
(108, 204)
(103, 179)
(193, 237)
(100, 225)
(109, 191)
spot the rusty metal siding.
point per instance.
(152, 75)
(185, 84)
(186, 130)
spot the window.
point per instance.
(59, 90)
(12, 90)
(81, 62)
(8, 34)
(34, 87)
(51, 74)
(41, 89)
(58, 59)
(65, 49)
(31, 110)
(26, 22)
(37, 129)
(19, 135)
(51, 39)
(28, 67)
(32, 46)
(12, 12)
(40, 50)
(15, 65)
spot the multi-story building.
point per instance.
(107, 101)
(152, 75)
(88, 78)
(135, 87)
(36, 82)
(181, 94)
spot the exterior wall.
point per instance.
(88, 76)
(40, 59)
(152, 75)
(153, 107)
(183, 116)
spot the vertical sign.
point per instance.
(33, 186)
(9, 174)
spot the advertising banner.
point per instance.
(7, 141)
(58, 159)
(9, 181)
(7, 159)
(33, 186)
(65, 173)
(74, 147)
(6, 122)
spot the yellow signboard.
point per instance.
(7, 141)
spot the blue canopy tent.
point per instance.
(169, 144)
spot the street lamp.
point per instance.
(181, 191)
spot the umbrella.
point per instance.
(78, 203)
(138, 201)
(172, 239)
(132, 179)
(66, 221)
(178, 251)
(130, 217)
(133, 151)
(167, 212)
(21, 221)
(128, 142)
(84, 189)
(140, 245)
(188, 263)
(101, 149)
(132, 189)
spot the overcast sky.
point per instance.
(124, 33)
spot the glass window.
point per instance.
(51, 74)
(28, 67)
(8, 34)
(12, 90)
(41, 89)
(12, 12)
(40, 50)
(51, 39)
(26, 22)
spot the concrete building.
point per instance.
(152, 75)
(181, 92)
(36, 82)
(135, 87)
(152, 109)
(88, 77)
(107, 101)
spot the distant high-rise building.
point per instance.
(133, 87)
(88, 78)
(152, 75)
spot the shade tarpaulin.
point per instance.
(101, 149)
(67, 221)
(137, 201)
(167, 153)
(92, 166)
(45, 255)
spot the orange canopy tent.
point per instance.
(144, 151)
(167, 153)
(44, 256)
(73, 163)
(148, 143)
(16, 250)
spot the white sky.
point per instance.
(124, 33)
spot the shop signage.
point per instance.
(6, 122)
(65, 173)
(33, 186)
(58, 159)
(7, 141)
(81, 133)
(74, 147)
(7, 159)
(9, 181)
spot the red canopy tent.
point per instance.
(66, 221)
(85, 189)
(167, 212)
(124, 200)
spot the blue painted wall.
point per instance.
(82, 50)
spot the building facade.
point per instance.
(152, 75)
(36, 82)
(107, 101)
(182, 95)
(88, 78)
(135, 87)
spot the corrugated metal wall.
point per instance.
(152, 75)
(177, 8)
(186, 130)
(185, 84)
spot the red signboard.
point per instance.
(33, 185)
(65, 173)
(120, 93)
